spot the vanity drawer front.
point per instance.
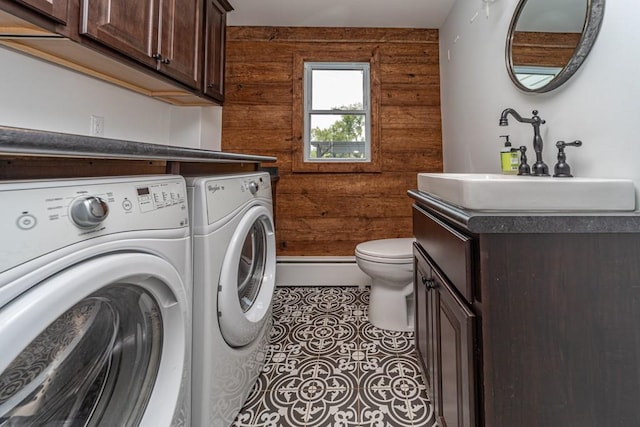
(450, 249)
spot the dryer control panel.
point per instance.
(38, 217)
(225, 195)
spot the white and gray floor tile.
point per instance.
(328, 366)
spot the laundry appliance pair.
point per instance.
(99, 289)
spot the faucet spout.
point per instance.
(539, 168)
(504, 121)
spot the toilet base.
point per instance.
(391, 309)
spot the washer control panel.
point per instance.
(41, 216)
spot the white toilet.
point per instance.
(389, 262)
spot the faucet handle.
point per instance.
(523, 168)
(562, 168)
(562, 144)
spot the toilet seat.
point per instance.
(389, 251)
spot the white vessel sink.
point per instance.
(529, 193)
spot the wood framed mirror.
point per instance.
(549, 40)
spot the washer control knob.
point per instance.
(88, 212)
(253, 187)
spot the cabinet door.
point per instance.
(181, 49)
(56, 9)
(215, 27)
(422, 326)
(130, 27)
(453, 323)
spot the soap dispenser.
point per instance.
(509, 160)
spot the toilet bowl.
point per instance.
(389, 263)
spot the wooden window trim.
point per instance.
(297, 126)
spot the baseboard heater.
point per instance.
(319, 271)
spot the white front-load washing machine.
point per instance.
(234, 265)
(95, 302)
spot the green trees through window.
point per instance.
(344, 138)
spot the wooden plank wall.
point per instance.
(543, 49)
(321, 214)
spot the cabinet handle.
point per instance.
(429, 283)
(210, 85)
(157, 56)
(165, 61)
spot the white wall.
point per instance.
(598, 105)
(38, 95)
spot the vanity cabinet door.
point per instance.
(453, 341)
(423, 331)
(55, 9)
(444, 335)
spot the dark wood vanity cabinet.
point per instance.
(530, 320)
(165, 35)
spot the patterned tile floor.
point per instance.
(328, 366)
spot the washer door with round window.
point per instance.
(102, 343)
(247, 278)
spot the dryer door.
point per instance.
(101, 343)
(247, 278)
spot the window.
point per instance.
(335, 124)
(337, 114)
(535, 77)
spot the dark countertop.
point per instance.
(31, 142)
(531, 222)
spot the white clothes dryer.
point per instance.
(234, 267)
(95, 302)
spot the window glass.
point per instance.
(337, 112)
(535, 77)
(338, 136)
(337, 89)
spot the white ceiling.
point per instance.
(340, 13)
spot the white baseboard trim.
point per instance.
(319, 271)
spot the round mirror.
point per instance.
(549, 39)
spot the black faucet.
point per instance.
(539, 168)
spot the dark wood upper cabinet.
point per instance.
(171, 50)
(214, 42)
(129, 27)
(165, 35)
(54, 9)
(181, 43)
